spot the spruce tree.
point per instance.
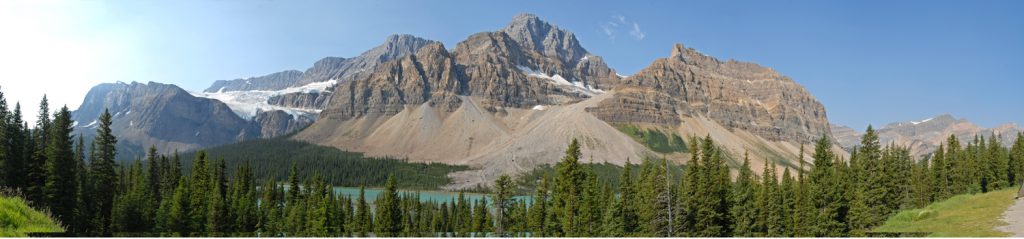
(825, 194)
(712, 217)
(771, 203)
(1016, 161)
(5, 139)
(36, 165)
(870, 193)
(503, 203)
(789, 189)
(15, 168)
(61, 187)
(102, 174)
(388, 213)
(627, 203)
(179, 214)
(199, 193)
(745, 211)
(84, 208)
(538, 211)
(217, 219)
(567, 194)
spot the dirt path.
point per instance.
(1014, 216)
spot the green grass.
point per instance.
(974, 215)
(654, 139)
(17, 219)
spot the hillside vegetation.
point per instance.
(17, 219)
(972, 215)
(272, 158)
(654, 139)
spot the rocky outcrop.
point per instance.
(394, 47)
(275, 81)
(277, 123)
(737, 95)
(845, 136)
(428, 76)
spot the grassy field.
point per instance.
(17, 219)
(961, 216)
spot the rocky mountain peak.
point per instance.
(398, 45)
(533, 33)
(273, 81)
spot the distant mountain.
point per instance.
(501, 102)
(275, 81)
(171, 118)
(924, 136)
(509, 101)
(305, 94)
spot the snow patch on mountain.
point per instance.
(579, 86)
(249, 103)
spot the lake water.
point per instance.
(425, 196)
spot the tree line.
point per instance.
(827, 196)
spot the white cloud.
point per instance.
(636, 32)
(611, 27)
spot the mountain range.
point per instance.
(502, 102)
(924, 136)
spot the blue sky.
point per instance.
(868, 61)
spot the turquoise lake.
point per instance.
(425, 196)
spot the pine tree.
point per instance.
(771, 203)
(998, 165)
(745, 210)
(36, 165)
(363, 221)
(1016, 161)
(921, 189)
(712, 190)
(5, 139)
(538, 212)
(940, 174)
(870, 193)
(388, 213)
(481, 218)
(61, 187)
(825, 194)
(567, 194)
(789, 207)
(84, 207)
(15, 163)
(627, 201)
(102, 174)
(217, 219)
(179, 214)
(153, 175)
(199, 198)
(503, 203)
(243, 198)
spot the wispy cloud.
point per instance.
(610, 28)
(636, 32)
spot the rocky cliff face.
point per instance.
(924, 136)
(737, 95)
(277, 123)
(173, 119)
(428, 76)
(162, 115)
(275, 81)
(508, 101)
